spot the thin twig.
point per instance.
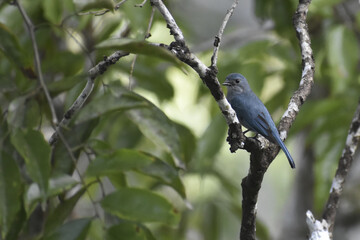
(98, 179)
(218, 37)
(141, 4)
(81, 45)
(68, 149)
(31, 28)
(100, 68)
(132, 66)
(147, 35)
(102, 12)
(344, 165)
(117, 6)
(208, 75)
(171, 23)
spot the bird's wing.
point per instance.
(262, 125)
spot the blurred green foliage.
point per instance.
(150, 158)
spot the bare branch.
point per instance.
(308, 68)
(141, 4)
(218, 37)
(208, 75)
(171, 23)
(260, 160)
(344, 165)
(318, 230)
(117, 6)
(100, 68)
(31, 28)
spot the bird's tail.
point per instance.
(283, 147)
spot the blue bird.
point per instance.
(251, 112)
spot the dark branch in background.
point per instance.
(31, 28)
(99, 69)
(260, 160)
(344, 165)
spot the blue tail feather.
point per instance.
(283, 147)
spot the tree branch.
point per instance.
(260, 160)
(318, 230)
(207, 74)
(308, 68)
(344, 165)
(100, 68)
(218, 37)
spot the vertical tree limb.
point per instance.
(352, 142)
(260, 158)
(308, 68)
(207, 74)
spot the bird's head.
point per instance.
(236, 82)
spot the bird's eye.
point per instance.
(237, 80)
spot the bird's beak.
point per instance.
(226, 83)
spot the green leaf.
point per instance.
(56, 186)
(62, 212)
(188, 142)
(126, 159)
(106, 30)
(53, 10)
(157, 127)
(72, 230)
(140, 47)
(65, 84)
(36, 152)
(119, 161)
(10, 191)
(16, 112)
(129, 230)
(60, 64)
(32, 116)
(165, 173)
(315, 110)
(212, 140)
(23, 112)
(76, 135)
(107, 103)
(100, 146)
(149, 74)
(140, 205)
(343, 53)
(10, 48)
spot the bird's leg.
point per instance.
(254, 137)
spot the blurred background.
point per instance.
(146, 115)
